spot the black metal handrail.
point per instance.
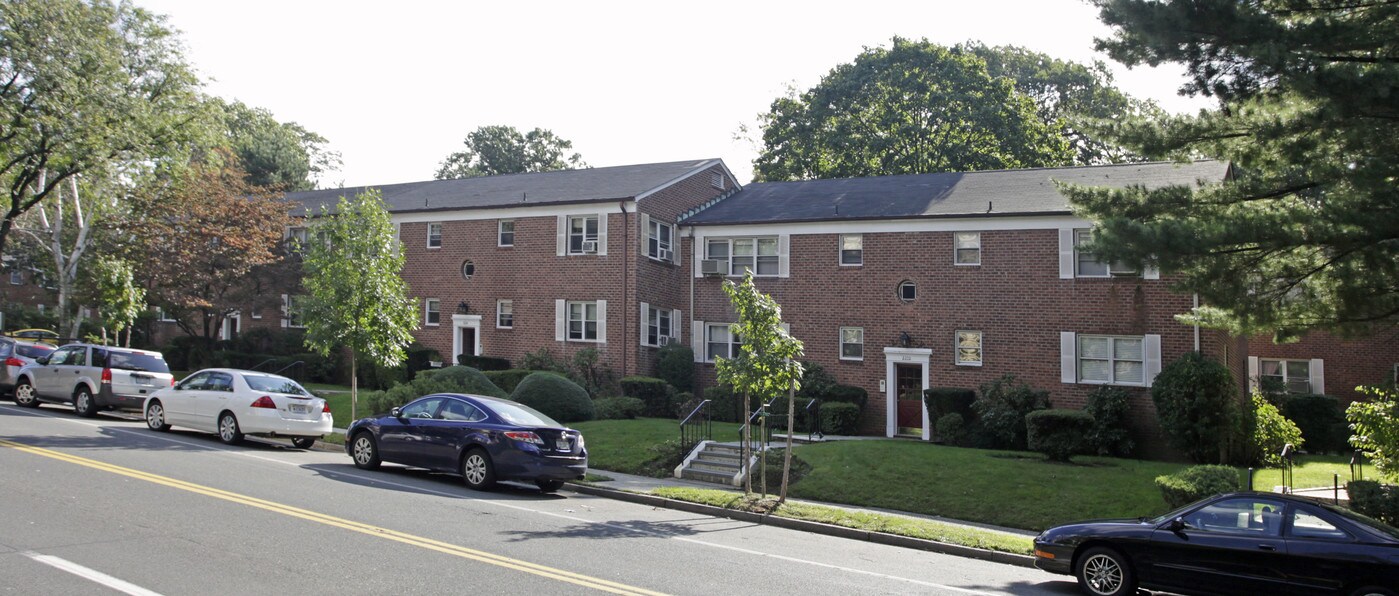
(1288, 452)
(697, 426)
(1357, 465)
(300, 367)
(813, 420)
(258, 366)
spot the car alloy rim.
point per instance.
(226, 428)
(82, 401)
(364, 451)
(154, 416)
(475, 471)
(1103, 574)
(24, 393)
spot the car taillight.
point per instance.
(325, 407)
(12, 361)
(172, 381)
(106, 376)
(525, 436)
(265, 402)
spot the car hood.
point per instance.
(1096, 527)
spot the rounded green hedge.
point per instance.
(1058, 434)
(555, 396)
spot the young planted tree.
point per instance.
(114, 290)
(355, 295)
(767, 363)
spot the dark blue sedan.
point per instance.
(1238, 543)
(484, 439)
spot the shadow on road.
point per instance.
(607, 530)
(130, 437)
(421, 481)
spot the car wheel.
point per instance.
(1373, 591)
(303, 442)
(228, 429)
(548, 486)
(83, 404)
(364, 451)
(24, 394)
(477, 470)
(155, 416)
(1105, 572)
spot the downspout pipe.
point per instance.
(1196, 307)
(626, 295)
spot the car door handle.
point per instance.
(1267, 547)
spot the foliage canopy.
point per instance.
(494, 150)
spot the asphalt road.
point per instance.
(102, 506)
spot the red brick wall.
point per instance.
(1348, 363)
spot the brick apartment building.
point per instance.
(894, 283)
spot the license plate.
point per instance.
(297, 409)
(565, 445)
(145, 381)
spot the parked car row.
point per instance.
(484, 439)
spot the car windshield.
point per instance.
(138, 361)
(520, 414)
(32, 351)
(274, 384)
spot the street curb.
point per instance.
(808, 526)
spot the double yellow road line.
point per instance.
(353, 526)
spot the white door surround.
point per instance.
(892, 357)
(460, 322)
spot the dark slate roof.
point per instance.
(513, 190)
(991, 193)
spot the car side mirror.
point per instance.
(42, 360)
(1177, 524)
(396, 412)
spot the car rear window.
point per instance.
(32, 351)
(521, 414)
(274, 384)
(138, 361)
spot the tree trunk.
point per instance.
(354, 388)
(743, 451)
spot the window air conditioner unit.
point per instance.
(664, 254)
(1121, 270)
(590, 246)
(663, 340)
(714, 267)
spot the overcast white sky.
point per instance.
(396, 86)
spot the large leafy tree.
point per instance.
(282, 155)
(493, 150)
(914, 107)
(203, 237)
(86, 88)
(1069, 97)
(1306, 233)
(355, 294)
(767, 364)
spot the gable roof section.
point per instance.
(970, 194)
(514, 190)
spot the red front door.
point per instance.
(909, 383)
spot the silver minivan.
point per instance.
(93, 378)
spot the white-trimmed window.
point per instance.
(720, 341)
(16, 277)
(908, 291)
(255, 313)
(967, 246)
(293, 311)
(582, 321)
(504, 314)
(432, 312)
(505, 233)
(582, 234)
(852, 249)
(757, 254)
(162, 316)
(434, 235)
(852, 343)
(660, 241)
(659, 327)
(1294, 375)
(1111, 360)
(1087, 264)
(968, 348)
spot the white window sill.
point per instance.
(845, 359)
(1137, 384)
(968, 364)
(433, 247)
(583, 341)
(860, 264)
(967, 264)
(499, 327)
(432, 324)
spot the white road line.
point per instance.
(91, 575)
(426, 490)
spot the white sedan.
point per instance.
(234, 403)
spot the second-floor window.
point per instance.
(16, 277)
(740, 254)
(968, 247)
(852, 249)
(659, 241)
(582, 234)
(434, 235)
(582, 321)
(506, 233)
(1088, 264)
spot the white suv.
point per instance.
(93, 378)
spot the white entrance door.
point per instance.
(894, 358)
(466, 336)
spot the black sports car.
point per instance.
(1237, 543)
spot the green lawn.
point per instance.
(1310, 471)
(621, 445)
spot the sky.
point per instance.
(396, 86)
